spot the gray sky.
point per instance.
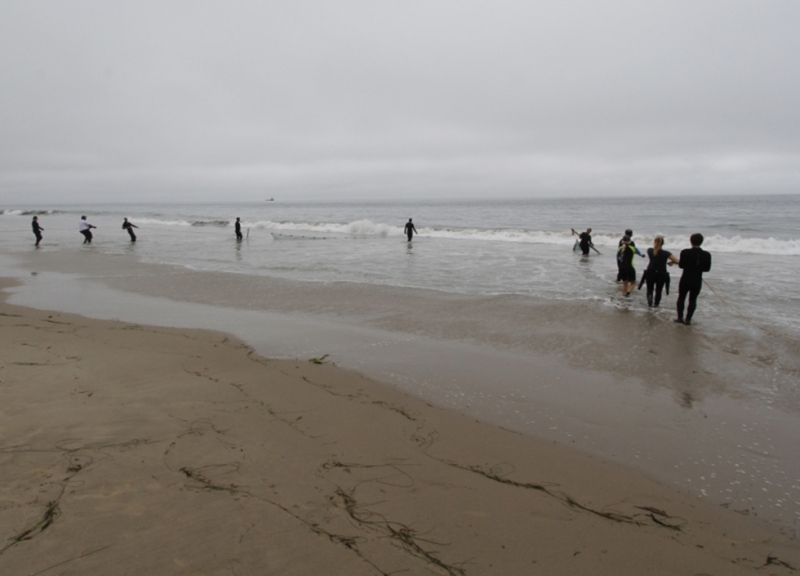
(171, 100)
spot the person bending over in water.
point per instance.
(694, 262)
(656, 275)
(129, 227)
(410, 230)
(584, 240)
(37, 230)
(86, 229)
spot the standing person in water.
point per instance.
(238, 228)
(656, 275)
(127, 226)
(628, 233)
(37, 230)
(410, 230)
(584, 240)
(86, 229)
(694, 262)
(627, 271)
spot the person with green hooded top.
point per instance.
(627, 271)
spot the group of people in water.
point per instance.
(693, 261)
(85, 228)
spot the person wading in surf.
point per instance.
(694, 262)
(37, 230)
(86, 229)
(585, 241)
(656, 275)
(410, 230)
(127, 226)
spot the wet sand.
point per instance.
(130, 449)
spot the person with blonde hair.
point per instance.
(656, 276)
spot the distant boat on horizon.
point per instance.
(270, 200)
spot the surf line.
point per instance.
(747, 318)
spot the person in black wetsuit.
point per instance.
(656, 275)
(410, 230)
(694, 262)
(584, 240)
(129, 228)
(627, 271)
(37, 230)
(238, 228)
(629, 234)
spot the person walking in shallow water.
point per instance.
(585, 241)
(86, 229)
(127, 226)
(37, 230)
(629, 234)
(656, 275)
(410, 230)
(626, 269)
(238, 229)
(694, 262)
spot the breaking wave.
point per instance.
(368, 228)
(28, 212)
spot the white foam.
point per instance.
(366, 227)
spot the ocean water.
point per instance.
(488, 311)
(497, 247)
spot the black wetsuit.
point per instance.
(129, 227)
(585, 242)
(694, 262)
(86, 230)
(410, 230)
(37, 231)
(627, 273)
(238, 228)
(656, 275)
(619, 276)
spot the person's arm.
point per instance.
(638, 252)
(672, 260)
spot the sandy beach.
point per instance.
(129, 449)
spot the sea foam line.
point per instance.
(366, 227)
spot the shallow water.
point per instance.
(488, 312)
(499, 247)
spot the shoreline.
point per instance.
(188, 444)
(715, 418)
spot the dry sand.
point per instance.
(128, 449)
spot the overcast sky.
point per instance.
(173, 100)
